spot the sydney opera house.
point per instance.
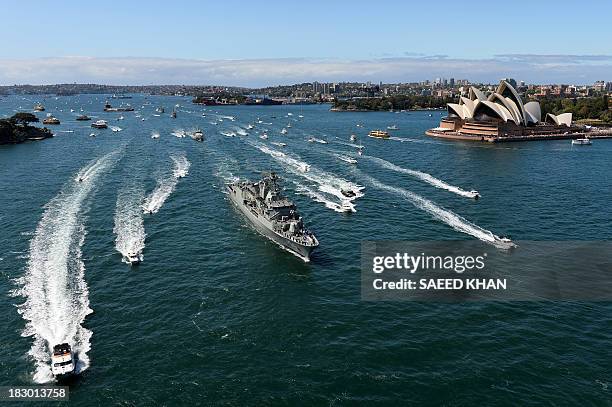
(500, 116)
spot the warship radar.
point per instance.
(273, 215)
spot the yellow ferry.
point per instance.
(378, 134)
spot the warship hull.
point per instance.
(261, 226)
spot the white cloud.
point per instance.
(260, 72)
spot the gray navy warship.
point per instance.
(273, 215)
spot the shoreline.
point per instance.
(458, 136)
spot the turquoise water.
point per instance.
(215, 314)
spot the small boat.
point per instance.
(288, 125)
(280, 144)
(92, 135)
(347, 159)
(83, 118)
(582, 141)
(155, 136)
(173, 114)
(115, 128)
(51, 120)
(250, 126)
(393, 127)
(316, 140)
(99, 124)
(475, 194)
(264, 136)
(160, 110)
(360, 151)
(300, 116)
(349, 193)
(198, 135)
(304, 167)
(289, 114)
(39, 107)
(62, 360)
(378, 134)
(120, 118)
(284, 131)
(346, 206)
(132, 258)
(353, 138)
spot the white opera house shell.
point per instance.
(504, 104)
(500, 116)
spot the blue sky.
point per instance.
(286, 41)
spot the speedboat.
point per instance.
(120, 118)
(582, 141)
(360, 151)
(264, 136)
(92, 135)
(198, 135)
(132, 258)
(349, 193)
(353, 138)
(62, 360)
(304, 167)
(250, 126)
(83, 118)
(475, 194)
(99, 124)
(155, 136)
(280, 144)
(288, 125)
(284, 131)
(349, 160)
(346, 206)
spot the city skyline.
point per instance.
(237, 44)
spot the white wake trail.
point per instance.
(326, 182)
(430, 179)
(450, 218)
(129, 225)
(166, 184)
(57, 297)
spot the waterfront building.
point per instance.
(498, 115)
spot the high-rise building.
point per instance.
(451, 82)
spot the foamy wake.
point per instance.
(57, 297)
(430, 179)
(181, 165)
(321, 198)
(325, 182)
(450, 218)
(129, 225)
(166, 185)
(180, 133)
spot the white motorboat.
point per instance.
(132, 258)
(62, 360)
(475, 194)
(582, 141)
(393, 127)
(250, 126)
(264, 136)
(353, 138)
(346, 159)
(304, 167)
(346, 206)
(284, 131)
(280, 144)
(317, 140)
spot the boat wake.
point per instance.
(129, 225)
(181, 165)
(324, 181)
(166, 185)
(423, 176)
(54, 286)
(321, 198)
(444, 215)
(180, 133)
